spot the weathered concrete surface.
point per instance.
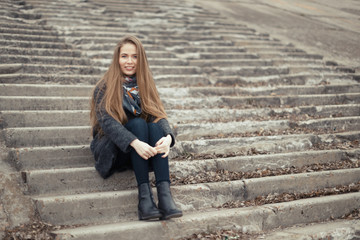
(15, 208)
(246, 219)
(327, 27)
(337, 230)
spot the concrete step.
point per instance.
(51, 157)
(168, 80)
(25, 26)
(220, 56)
(65, 60)
(153, 61)
(263, 101)
(34, 44)
(266, 71)
(12, 119)
(290, 55)
(81, 103)
(151, 54)
(21, 37)
(44, 103)
(304, 78)
(53, 90)
(272, 144)
(40, 51)
(254, 62)
(25, 31)
(199, 130)
(340, 229)
(22, 78)
(286, 49)
(251, 42)
(46, 90)
(226, 115)
(73, 135)
(33, 59)
(256, 219)
(52, 69)
(47, 136)
(74, 178)
(80, 156)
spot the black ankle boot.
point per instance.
(166, 203)
(147, 208)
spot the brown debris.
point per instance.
(287, 197)
(239, 235)
(225, 175)
(222, 235)
(36, 230)
(262, 132)
(343, 145)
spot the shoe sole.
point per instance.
(175, 215)
(149, 217)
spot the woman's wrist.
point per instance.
(133, 143)
(169, 139)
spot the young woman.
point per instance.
(130, 129)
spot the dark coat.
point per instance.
(111, 140)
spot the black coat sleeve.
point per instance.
(111, 127)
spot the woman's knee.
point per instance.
(136, 123)
(155, 132)
(139, 128)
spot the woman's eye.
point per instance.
(135, 57)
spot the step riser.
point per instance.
(20, 137)
(78, 181)
(65, 181)
(188, 198)
(301, 100)
(254, 219)
(51, 157)
(81, 91)
(81, 118)
(194, 131)
(81, 61)
(85, 70)
(17, 137)
(300, 79)
(39, 52)
(19, 37)
(50, 78)
(257, 63)
(44, 104)
(45, 119)
(46, 90)
(43, 60)
(272, 144)
(17, 103)
(34, 44)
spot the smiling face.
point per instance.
(128, 59)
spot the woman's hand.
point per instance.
(143, 149)
(163, 145)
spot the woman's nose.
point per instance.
(129, 60)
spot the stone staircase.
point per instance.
(254, 117)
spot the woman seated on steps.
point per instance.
(130, 129)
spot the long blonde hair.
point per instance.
(112, 83)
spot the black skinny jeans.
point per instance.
(149, 133)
